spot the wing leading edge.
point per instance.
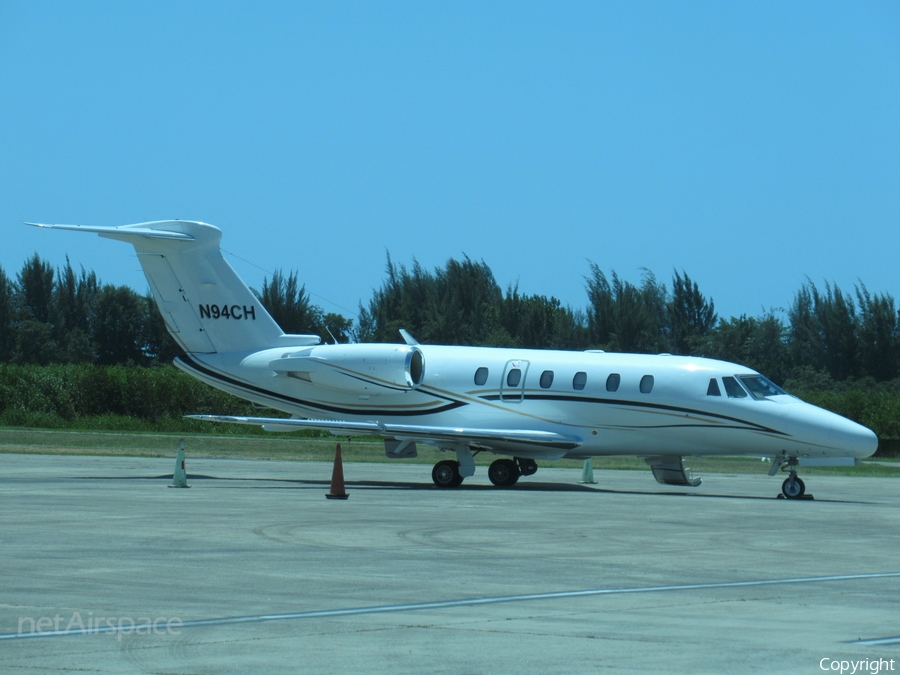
(552, 443)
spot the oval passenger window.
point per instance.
(579, 381)
(646, 384)
(481, 376)
(612, 382)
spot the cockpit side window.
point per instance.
(713, 388)
(761, 387)
(733, 389)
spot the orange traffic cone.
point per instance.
(337, 477)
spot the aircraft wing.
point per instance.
(553, 443)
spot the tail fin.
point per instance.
(206, 306)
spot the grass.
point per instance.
(293, 447)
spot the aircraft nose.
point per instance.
(826, 429)
(859, 441)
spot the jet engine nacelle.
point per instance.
(356, 368)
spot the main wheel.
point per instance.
(793, 487)
(503, 472)
(445, 474)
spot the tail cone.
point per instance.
(337, 477)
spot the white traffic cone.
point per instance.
(587, 474)
(179, 479)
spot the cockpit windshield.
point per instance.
(761, 387)
(732, 388)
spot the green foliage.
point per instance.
(647, 318)
(823, 330)
(67, 317)
(288, 303)
(539, 322)
(118, 326)
(7, 336)
(755, 343)
(691, 317)
(112, 397)
(462, 304)
(159, 347)
(879, 335)
(35, 288)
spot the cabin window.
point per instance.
(481, 376)
(546, 379)
(513, 377)
(579, 380)
(713, 388)
(612, 382)
(646, 384)
(733, 389)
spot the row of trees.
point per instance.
(60, 316)
(823, 337)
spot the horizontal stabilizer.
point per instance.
(205, 305)
(142, 230)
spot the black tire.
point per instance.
(793, 488)
(503, 473)
(445, 474)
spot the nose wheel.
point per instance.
(793, 487)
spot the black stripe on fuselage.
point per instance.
(191, 364)
(637, 404)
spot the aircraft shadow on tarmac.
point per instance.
(296, 483)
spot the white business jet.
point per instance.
(524, 404)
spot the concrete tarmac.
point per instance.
(249, 571)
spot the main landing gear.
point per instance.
(446, 474)
(502, 472)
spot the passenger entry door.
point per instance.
(512, 387)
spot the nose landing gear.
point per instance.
(793, 487)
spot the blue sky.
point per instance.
(749, 144)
